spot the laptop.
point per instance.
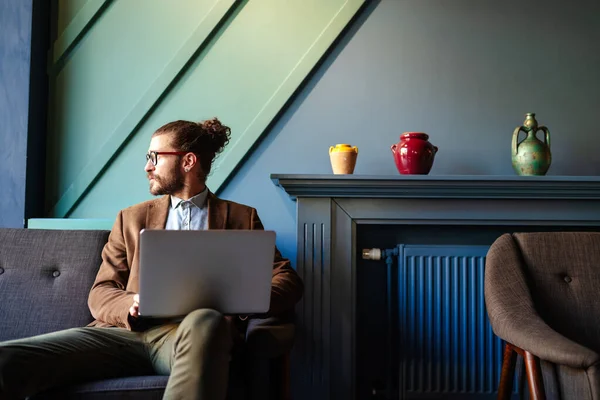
(227, 270)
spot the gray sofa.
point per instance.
(541, 294)
(45, 277)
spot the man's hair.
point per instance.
(206, 139)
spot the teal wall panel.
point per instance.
(75, 17)
(70, 223)
(130, 74)
(112, 79)
(67, 10)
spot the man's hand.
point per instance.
(134, 310)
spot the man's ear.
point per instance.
(189, 160)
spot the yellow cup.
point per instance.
(343, 158)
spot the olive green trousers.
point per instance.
(195, 353)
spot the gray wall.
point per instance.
(464, 71)
(15, 42)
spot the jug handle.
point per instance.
(355, 149)
(330, 149)
(393, 147)
(546, 135)
(435, 149)
(515, 138)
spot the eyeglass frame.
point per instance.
(157, 153)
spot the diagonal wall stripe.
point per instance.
(226, 163)
(77, 28)
(137, 114)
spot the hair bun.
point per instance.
(218, 132)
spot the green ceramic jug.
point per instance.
(531, 156)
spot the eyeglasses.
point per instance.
(152, 156)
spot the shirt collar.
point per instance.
(198, 200)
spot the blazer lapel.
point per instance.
(217, 212)
(156, 215)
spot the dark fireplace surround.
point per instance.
(338, 215)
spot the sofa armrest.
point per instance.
(269, 337)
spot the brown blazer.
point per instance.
(112, 294)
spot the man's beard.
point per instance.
(166, 185)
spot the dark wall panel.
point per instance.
(15, 52)
(24, 38)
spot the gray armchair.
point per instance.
(542, 293)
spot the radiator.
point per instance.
(446, 345)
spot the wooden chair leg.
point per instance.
(532, 371)
(534, 377)
(508, 372)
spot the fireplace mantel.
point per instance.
(330, 212)
(451, 186)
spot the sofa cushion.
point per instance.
(45, 278)
(136, 387)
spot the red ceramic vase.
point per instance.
(414, 154)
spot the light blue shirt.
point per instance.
(188, 215)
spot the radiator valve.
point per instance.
(371, 254)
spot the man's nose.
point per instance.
(149, 166)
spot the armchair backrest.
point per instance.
(556, 273)
(45, 278)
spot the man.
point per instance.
(194, 352)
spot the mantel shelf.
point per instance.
(431, 186)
